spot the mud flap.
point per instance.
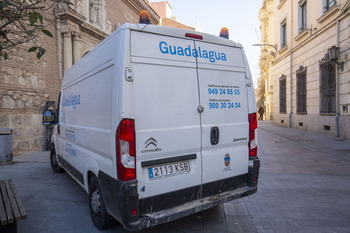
(253, 172)
(120, 198)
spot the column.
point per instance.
(67, 51)
(76, 48)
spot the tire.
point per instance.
(99, 214)
(54, 163)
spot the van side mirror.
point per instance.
(48, 118)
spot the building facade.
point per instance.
(26, 83)
(165, 11)
(307, 87)
(267, 55)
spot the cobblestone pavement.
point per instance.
(304, 186)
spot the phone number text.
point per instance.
(224, 105)
(223, 91)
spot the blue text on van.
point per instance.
(189, 52)
(71, 100)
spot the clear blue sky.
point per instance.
(240, 17)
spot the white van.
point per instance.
(158, 123)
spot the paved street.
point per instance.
(304, 186)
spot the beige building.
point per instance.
(165, 11)
(26, 83)
(267, 57)
(305, 86)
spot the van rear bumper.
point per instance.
(121, 198)
(177, 212)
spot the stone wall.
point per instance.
(26, 83)
(23, 95)
(21, 99)
(28, 132)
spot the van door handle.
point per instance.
(214, 135)
(200, 108)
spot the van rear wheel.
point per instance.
(99, 214)
(54, 163)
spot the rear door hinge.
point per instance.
(128, 74)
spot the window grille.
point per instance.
(283, 95)
(301, 90)
(327, 87)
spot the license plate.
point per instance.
(164, 171)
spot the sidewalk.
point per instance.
(304, 186)
(321, 142)
(304, 183)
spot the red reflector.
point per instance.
(253, 125)
(133, 211)
(194, 36)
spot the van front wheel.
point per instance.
(98, 211)
(54, 163)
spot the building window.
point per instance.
(327, 87)
(328, 4)
(302, 15)
(283, 94)
(284, 34)
(301, 90)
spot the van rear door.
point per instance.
(224, 121)
(167, 124)
(191, 119)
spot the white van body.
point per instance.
(160, 117)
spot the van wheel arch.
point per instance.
(98, 212)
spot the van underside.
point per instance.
(121, 198)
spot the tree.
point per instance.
(22, 21)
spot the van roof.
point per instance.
(176, 32)
(154, 29)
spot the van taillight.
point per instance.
(125, 145)
(253, 129)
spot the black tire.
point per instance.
(99, 214)
(54, 163)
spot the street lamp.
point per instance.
(333, 53)
(273, 46)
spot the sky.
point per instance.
(240, 17)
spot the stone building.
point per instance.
(309, 89)
(26, 83)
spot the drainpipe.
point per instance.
(291, 95)
(291, 66)
(337, 89)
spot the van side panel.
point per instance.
(88, 113)
(101, 54)
(85, 127)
